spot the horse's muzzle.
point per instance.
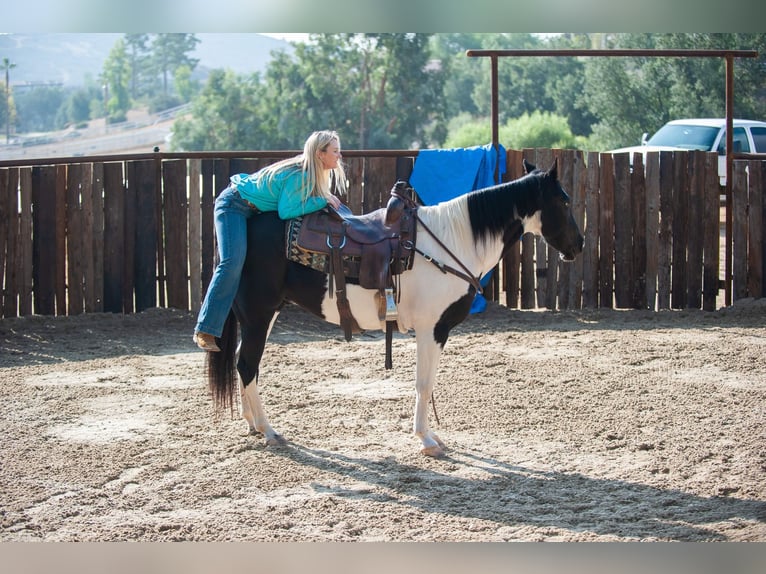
(572, 255)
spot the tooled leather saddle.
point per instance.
(371, 250)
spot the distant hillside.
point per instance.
(70, 58)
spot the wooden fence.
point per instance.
(124, 234)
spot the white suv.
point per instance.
(704, 134)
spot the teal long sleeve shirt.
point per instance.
(282, 194)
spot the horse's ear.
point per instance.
(554, 170)
(528, 167)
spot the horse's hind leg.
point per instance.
(250, 353)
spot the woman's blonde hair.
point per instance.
(311, 167)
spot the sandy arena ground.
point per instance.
(574, 426)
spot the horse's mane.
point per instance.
(492, 209)
(487, 215)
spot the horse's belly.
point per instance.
(363, 307)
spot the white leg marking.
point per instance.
(252, 406)
(428, 354)
(253, 412)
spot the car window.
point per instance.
(741, 145)
(759, 139)
(685, 136)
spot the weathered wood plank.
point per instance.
(61, 239)
(25, 248)
(195, 235)
(652, 215)
(739, 231)
(74, 244)
(638, 212)
(755, 230)
(763, 228)
(511, 264)
(546, 263)
(378, 182)
(712, 234)
(566, 169)
(88, 259)
(175, 217)
(9, 229)
(680, 229)
(579, 183)
(665, 250)
(114, 239)
(696, 227)
(528, 255)
(606, 233)
(623, 233)
(590, 256)
(97, 288)
(355, 175)
(147, 280)
(130, 231)
(208, 228)
(45, 245)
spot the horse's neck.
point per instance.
(451, 224)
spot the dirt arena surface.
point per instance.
(572, 426)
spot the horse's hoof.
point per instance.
(435, 451)
(276, 440)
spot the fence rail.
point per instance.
(123, 234)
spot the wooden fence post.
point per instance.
(652, 189)
(606, 233)
(755, 230)
(590, 257)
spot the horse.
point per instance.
(472, 231)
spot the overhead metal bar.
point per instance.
(727, 55)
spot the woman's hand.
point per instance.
(333, 201)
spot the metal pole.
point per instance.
(495, 116)
(729, 252)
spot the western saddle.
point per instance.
(372, 249)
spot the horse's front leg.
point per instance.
(428, 353)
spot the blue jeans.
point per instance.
(230, 214)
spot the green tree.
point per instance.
(116, 77)
(139, 57)
(630, 96)
(224, 116)
(375, 89)
(38, 107)
(186, 87)
(8, 103)
(525, 84)
(170, 51)
(535, 130)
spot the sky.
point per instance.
(289, 36)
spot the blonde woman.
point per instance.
(291, 187)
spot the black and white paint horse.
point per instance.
(475, 229)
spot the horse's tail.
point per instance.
(221, 367)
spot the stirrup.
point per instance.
(391, 311)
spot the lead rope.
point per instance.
(433, 406)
